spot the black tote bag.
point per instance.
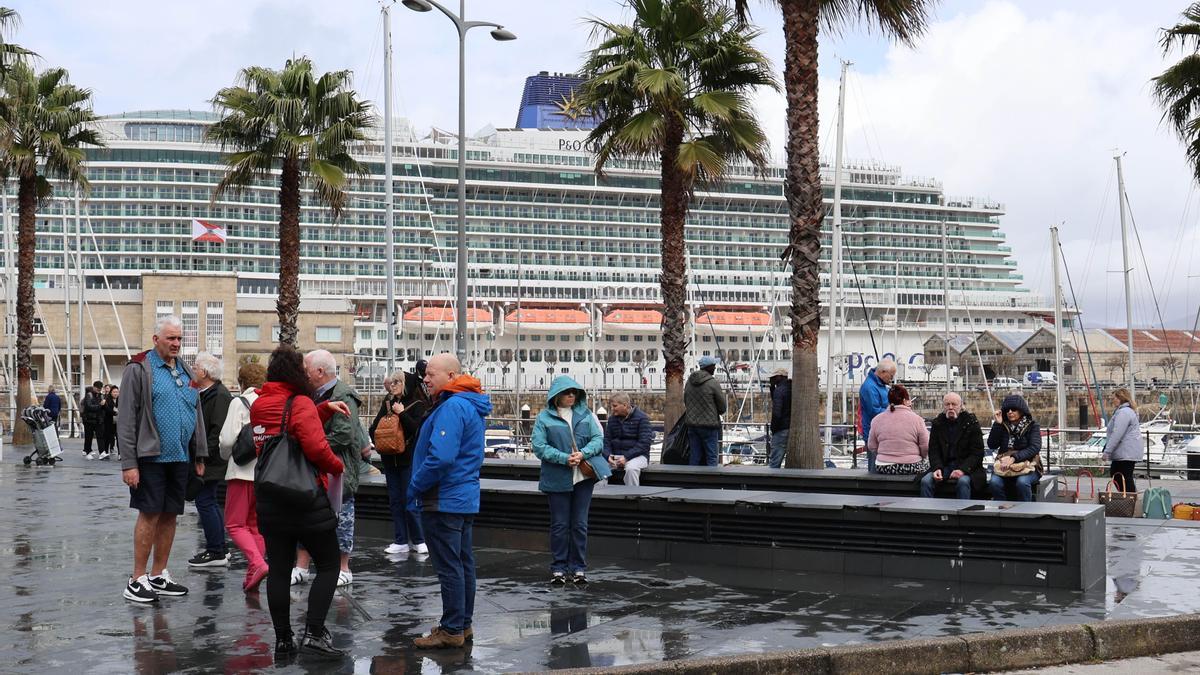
(675, 444)
(283, 474)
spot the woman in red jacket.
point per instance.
(283, 526)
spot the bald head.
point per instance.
(441, 369)
(952, 405)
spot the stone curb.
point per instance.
(1010, 649)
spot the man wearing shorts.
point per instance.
(160, 436)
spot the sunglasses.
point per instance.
(175, 374)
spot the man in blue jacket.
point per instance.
(53, 404)
(873, 399)
(627, 438)
(447, 458)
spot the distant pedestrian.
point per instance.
(628, 435)
(160, 433)
(241, 516)
(91, 411)
(781, 416)
(284, 526)
(955, 451)
(214, 402)
(108, 421)
(1017, 440)
(349, 442)
(409, 403)
(1124, 445)
(873, 400)
(445, 489)
(565, 437)
(704, 404)
(899, 437)
(52, 403)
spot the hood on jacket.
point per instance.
(564, 383)
(1015, 402)
(463, 384)
(699, 377)
(468, 390)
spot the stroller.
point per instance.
(46, 448)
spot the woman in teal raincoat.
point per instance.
(565, 436)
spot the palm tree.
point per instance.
(672, 86)
(803, 20)
(303, 125)
(9, 53)
(44, 122)
(1177, 89)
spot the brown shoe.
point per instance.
(469, 634)
(438, 638)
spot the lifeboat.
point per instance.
(644, 321)
(443, 318)
(727, 322)
(569, 321)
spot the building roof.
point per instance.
(1012, 339)
(1157, 340)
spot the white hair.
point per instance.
(321, 358)
(209, 364)
(886, 366)
(952, 395)
(620, 397)
(168, 320)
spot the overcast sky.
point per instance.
(1022, 101)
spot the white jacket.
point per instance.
(239, 416)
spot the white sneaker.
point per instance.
(396, 548)
(104, 455)
(91, 455)
(422, 548)
(300, 576)
(345, 578)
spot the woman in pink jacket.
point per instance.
(899, 437)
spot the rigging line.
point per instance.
(87, 219)
(987, 384)
(1154, 296)
(1191, 343)
(1082, 330)
(863, 303)
(1177, 252)
(868, 121)
(1096, 228)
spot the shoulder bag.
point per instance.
(389, 434)
(1118, 504)
(244, 450)
(283, 473)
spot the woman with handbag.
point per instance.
(241, 516)
(1017, 440)
(1124, 445)
(284, 411)
(393, 433)
(570, 444)
(899, 438)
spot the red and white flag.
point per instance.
(202, 230)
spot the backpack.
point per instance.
(244, 450)
(1156, 503)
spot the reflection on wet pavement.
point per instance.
(65, 549)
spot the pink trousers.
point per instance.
(241, 519)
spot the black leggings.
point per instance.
(281, 558)
(1125, 468)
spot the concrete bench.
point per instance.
(736, 477)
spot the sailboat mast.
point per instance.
(1125, 274)
(946, 301)
(68, 379)
(79, 271)
(388, 206)
(10, 312)
(836, 264)
(1061, 386)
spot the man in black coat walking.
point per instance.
(214, 403)
(955, 451)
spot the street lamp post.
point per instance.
(498, 33)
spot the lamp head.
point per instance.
(502, 35)
(417, 5)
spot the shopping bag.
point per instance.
(675, 444)
(50, 438)
(1118, 504)
(1075, 496)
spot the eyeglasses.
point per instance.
(175, 374)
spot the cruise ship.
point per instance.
(563, 266)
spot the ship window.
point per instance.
(535, 355)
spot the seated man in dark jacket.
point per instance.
(955, 451)
(627, 438)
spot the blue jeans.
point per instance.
(405, 524)
(211, 519)
(1023, 485)
(450, 549)
(871, 461)
(569, 526)
(703, 443)
(963, 487)
(778, 448)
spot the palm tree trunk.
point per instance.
(288, 304)
(673, 279)
(803, 190)
(26, 242)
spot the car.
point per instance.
(1005, 383)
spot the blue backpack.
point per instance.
(1156, 503)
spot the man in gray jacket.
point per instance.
(160, 434)
(704, 404)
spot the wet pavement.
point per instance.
(65, 546)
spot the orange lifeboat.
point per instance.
(727, 322)
(644, 321)
(443, 318)
(548, 320)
